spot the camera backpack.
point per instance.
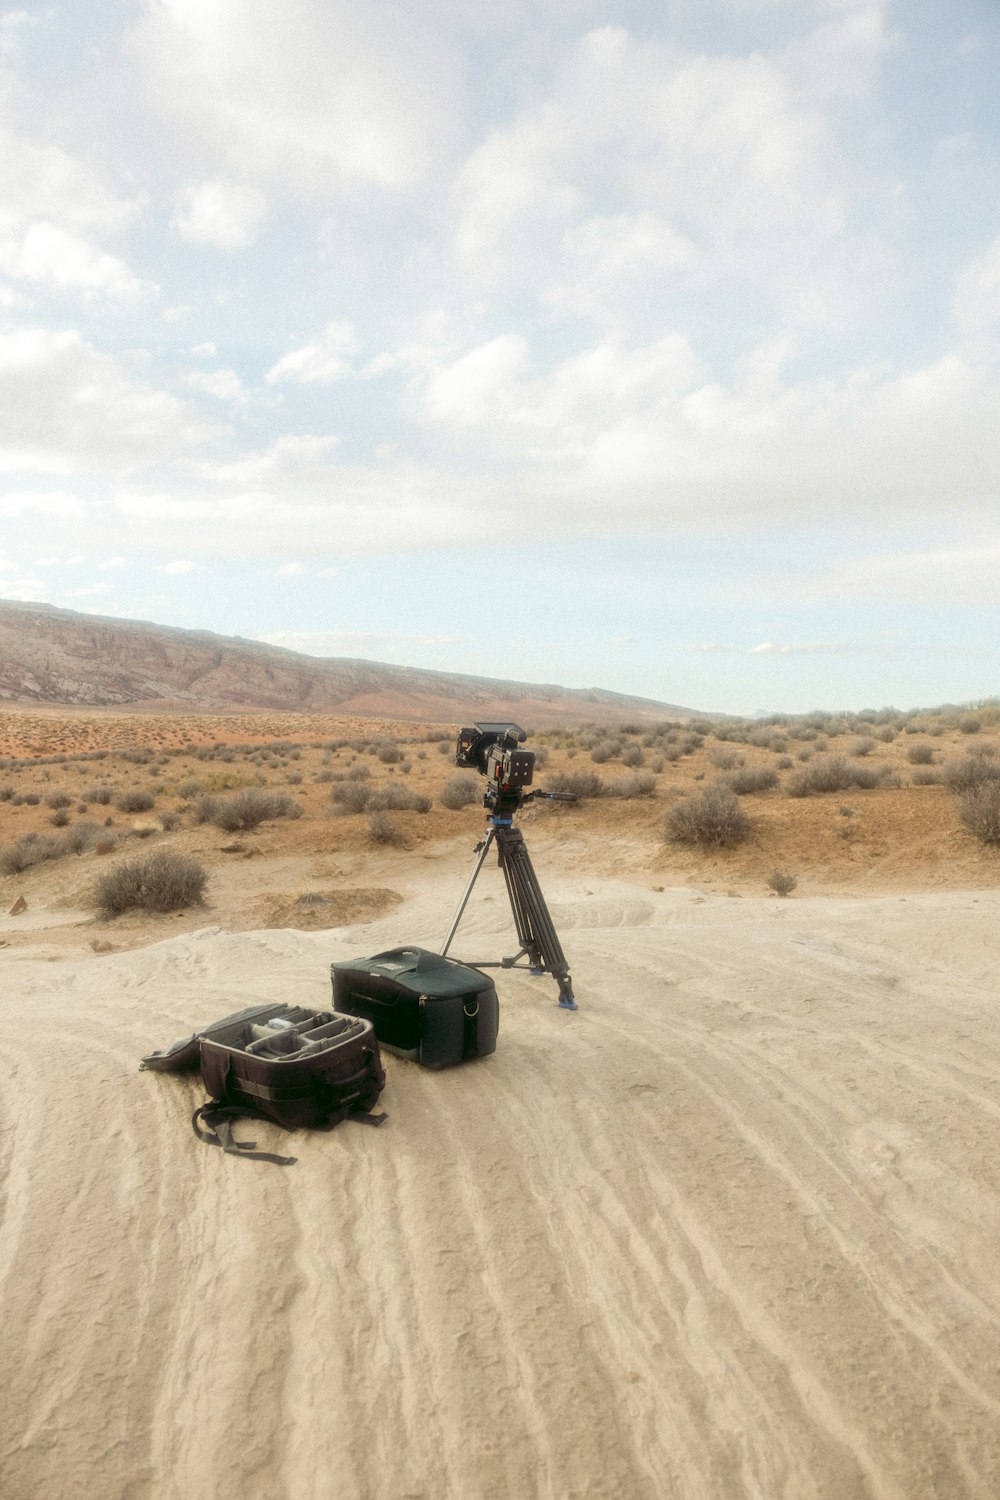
(296, 1066)
(422, 1006)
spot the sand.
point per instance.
(731, 1230)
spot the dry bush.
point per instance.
(135, 802)
(836, 774)
(580, 784)
(246, 809)
(460, 791)
(972, 771)
(641, 784)
(102, 795)
(350, 796)
(398, 798)
(160, 881)
(749, 779)
(863, 747)
(920, 755)
(969, 724)
(711, 820)
(782, 883)
(58, 801)
(724, 759)
(979, 810)
(382, 830)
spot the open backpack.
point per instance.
(297, 1067)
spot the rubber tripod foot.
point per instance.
(566, 1002)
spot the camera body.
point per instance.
(493, 750)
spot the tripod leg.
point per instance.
(535, 930)
(477, 866)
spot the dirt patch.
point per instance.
(312, 911)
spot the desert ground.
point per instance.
(730, 1230)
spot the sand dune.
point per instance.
(732, 1230)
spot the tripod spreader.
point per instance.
(535, 932)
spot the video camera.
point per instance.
(492, 750)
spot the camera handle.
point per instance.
(539, 943)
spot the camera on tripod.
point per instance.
(492, 750)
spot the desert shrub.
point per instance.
(382, 830)
(969, 724)
(782, 883)
(605, 750)
(748, 779)
(979, 810)
(6, 793)
(711, 820)
(389, 753)
(160, 881)
(460, 791)
(724, 759)
(862, 747)
(971, 771)
(81, 837)
(641, 784)
(580, 784)
(169, 821)
(59, 819)
(135, 802)
(398, 798)
(246, 809)
(836, 774)
(23, 853)
(189, 789)
(920, 755)
(350, 796)
(784, 763)
(58, 800)
(102, 795)
(927, 776)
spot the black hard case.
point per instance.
(423, 1006)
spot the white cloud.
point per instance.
(717, 142)
(64, 406)
(113, 563)
(977, 290)
(320, 361)
(329, 91)
(59, 504)
(801, 648)
(967, 575)
(42, 252)
(465, 390)
(204, 351)
(183, 565)
(226, 215)
(224, 385)
(26, 590)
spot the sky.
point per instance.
(647, 346)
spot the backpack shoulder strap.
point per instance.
(218, 1119)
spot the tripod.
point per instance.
(535, 932)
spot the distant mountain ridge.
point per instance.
(58, 656)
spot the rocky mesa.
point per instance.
(50, 655)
